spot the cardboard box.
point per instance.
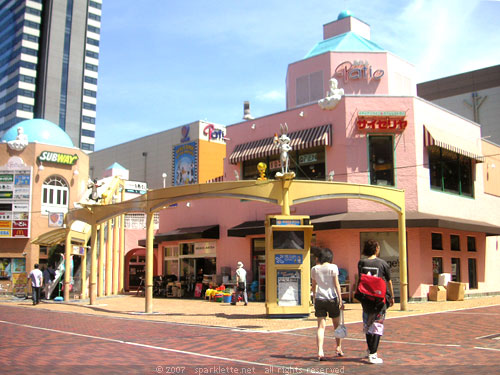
(437, 293)
(455, 291)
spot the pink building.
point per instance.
(366, 127)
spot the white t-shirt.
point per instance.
(242, 275)
(324, 275)
(36, 277)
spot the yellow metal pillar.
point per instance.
(93, 265)
(149, 262)
(286, 180)
(83, 294)
(100, 273)
(403, 266)
(67, 266)
(121, 278)
(109, 260)
(116, 242)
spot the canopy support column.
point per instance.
(149, 262)
(403, 266)
(93, 265)
(67, 266)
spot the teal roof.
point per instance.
(347, 42)
(116, 165)
(41, 131)
(344, 14)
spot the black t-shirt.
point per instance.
(376, 267)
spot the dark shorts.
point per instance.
(322, 307)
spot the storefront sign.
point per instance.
(358, 70)
(274, 164)
(214, 133)
(6, 178)
(288, 222)
(308, 158)
(6, 194)
(5, 215)
(205, 248)
(20, 233)
(381, 121)
(57, 157)
(382, 124)
(5, 233)
(56, 219)
(5, 224)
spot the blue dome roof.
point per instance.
(344, 14)
(41, 131)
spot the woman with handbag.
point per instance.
(327, 297)
(374, 314)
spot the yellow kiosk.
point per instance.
(288, 280)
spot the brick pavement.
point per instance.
(113, 339)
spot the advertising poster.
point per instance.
(288, 287)
(185, 166)
(15, 199)
(20, 283)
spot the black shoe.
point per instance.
(246, 304)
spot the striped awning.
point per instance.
(299, 140)
(459, 145)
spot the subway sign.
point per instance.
(58, 157)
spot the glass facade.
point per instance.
(30, 44)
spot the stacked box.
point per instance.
(437, 293)
(455, 291)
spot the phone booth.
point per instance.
(288, 279)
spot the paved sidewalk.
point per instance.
(251, 317)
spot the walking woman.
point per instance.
(327, 297)
(373, 317)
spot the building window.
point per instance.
(472, 274)
(87, 147)
(471, 243)
(437, 269)
(92, 54)
(309, 88)
(95, 4)
(89, 106)
(91, 80)
(437, 241)
(55, 195)
(88, 133)
(93, 29)
(455, 242)
(187, 248)
(380, 150)
(455, 269)
(450, 172)
(88, 119)
(93, 42)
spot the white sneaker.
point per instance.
(374, 359)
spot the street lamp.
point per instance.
(164, 175)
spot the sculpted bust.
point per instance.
(333, 97)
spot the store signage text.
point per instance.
(308, 158)
(382, 124)
(358, 70)
(214, 134)
(59, 158)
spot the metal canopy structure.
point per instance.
(283, 192)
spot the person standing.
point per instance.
(241, 283)
(373, 318)
(327, 297)
(48, 276)
(36, 278)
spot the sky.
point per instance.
(167, 63)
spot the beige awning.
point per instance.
(451, 142)
(80, 232)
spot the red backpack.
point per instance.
(371, 292)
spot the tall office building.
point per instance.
(49, 55)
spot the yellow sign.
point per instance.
(57, 157)
(5, 224)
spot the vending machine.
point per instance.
(288, 279)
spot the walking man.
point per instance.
(241, 283)
(36, 278)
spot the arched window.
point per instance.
(55, 195)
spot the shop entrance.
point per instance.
(196, 270)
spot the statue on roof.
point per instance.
(333, 97)
(20, 142)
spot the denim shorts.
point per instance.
(322, 307)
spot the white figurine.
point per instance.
(333, 97)
(20, 142)
(283, 143)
